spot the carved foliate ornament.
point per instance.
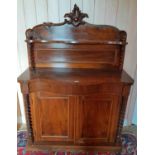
(76, 16)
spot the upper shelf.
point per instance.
(69, 34)
(75, 42)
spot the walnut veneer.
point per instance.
(75, 90)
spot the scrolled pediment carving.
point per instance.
(75, 17)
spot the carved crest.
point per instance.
(76, 16)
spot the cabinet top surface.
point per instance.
(71, 76)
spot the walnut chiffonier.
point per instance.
(75, 90)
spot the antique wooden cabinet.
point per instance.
(75, 90)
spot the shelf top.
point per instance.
(78, 76)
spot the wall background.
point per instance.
(119, 13)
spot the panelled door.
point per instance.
(52, 117)
(83, 120)
(97, 119)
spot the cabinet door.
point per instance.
(52, 117)
(97, 119)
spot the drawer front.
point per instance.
(74, 89)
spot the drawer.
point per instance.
(73, 89)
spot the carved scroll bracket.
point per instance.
(75, 17)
